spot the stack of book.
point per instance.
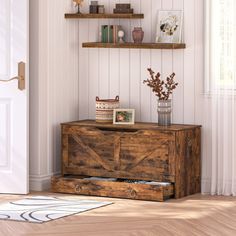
(123, 8)
(109, 33)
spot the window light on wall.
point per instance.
(220, 45)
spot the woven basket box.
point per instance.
(104, 109)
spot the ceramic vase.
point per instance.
(164, 112)
(138, 34)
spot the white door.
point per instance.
(13, 96)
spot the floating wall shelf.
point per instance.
(136, 45)
(103, 16)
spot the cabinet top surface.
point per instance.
(136, 126)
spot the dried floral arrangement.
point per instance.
(162, 89)
(78, 3)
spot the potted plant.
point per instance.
(162, 89)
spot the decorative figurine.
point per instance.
(121, 35)
(78, 3)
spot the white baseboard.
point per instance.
(40, 182)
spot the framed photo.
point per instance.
(123, 116)
(169, 26)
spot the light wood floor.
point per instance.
(194, 215)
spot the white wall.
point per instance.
(53, 87)
(65, 78)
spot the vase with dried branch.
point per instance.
(163, 90)
(78, 3)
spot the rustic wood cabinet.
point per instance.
(142, 161)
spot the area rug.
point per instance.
(41, 209)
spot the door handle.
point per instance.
(20, 77)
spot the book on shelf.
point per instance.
(109, 33)
(123, 11)
(104, 33)
(123, 6)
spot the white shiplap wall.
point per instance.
(111, 72)
(66, 77)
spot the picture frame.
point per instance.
(123, 116)
(169, 26)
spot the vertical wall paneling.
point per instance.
(156, 55)
(114, 62)
(54, 92)
(135, 4)
(123, 70)
(63, 74)
(93, 63)
(202, 104)
(167, 55)
(83, 69)
(66, 78)
(145, 61)
(199, 53)
(126, 24)
(124, 78)
(135, 59)
(34, 88)
(135, 84)
(207, 151)
(93, 67)
(125, 64)
(178, 68)
(189, 60)
(104, 73)
(104, 58)
(114, 73)
(52, 130)
(43, 92)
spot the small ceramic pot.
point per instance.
(138, 34)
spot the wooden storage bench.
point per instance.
(142, 161)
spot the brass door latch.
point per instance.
(20, 77)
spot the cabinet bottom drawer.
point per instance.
(109, 187)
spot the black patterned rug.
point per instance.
(41, 209)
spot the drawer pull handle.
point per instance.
(78, 188)
(133, 193)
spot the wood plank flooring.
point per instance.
(190, 216)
